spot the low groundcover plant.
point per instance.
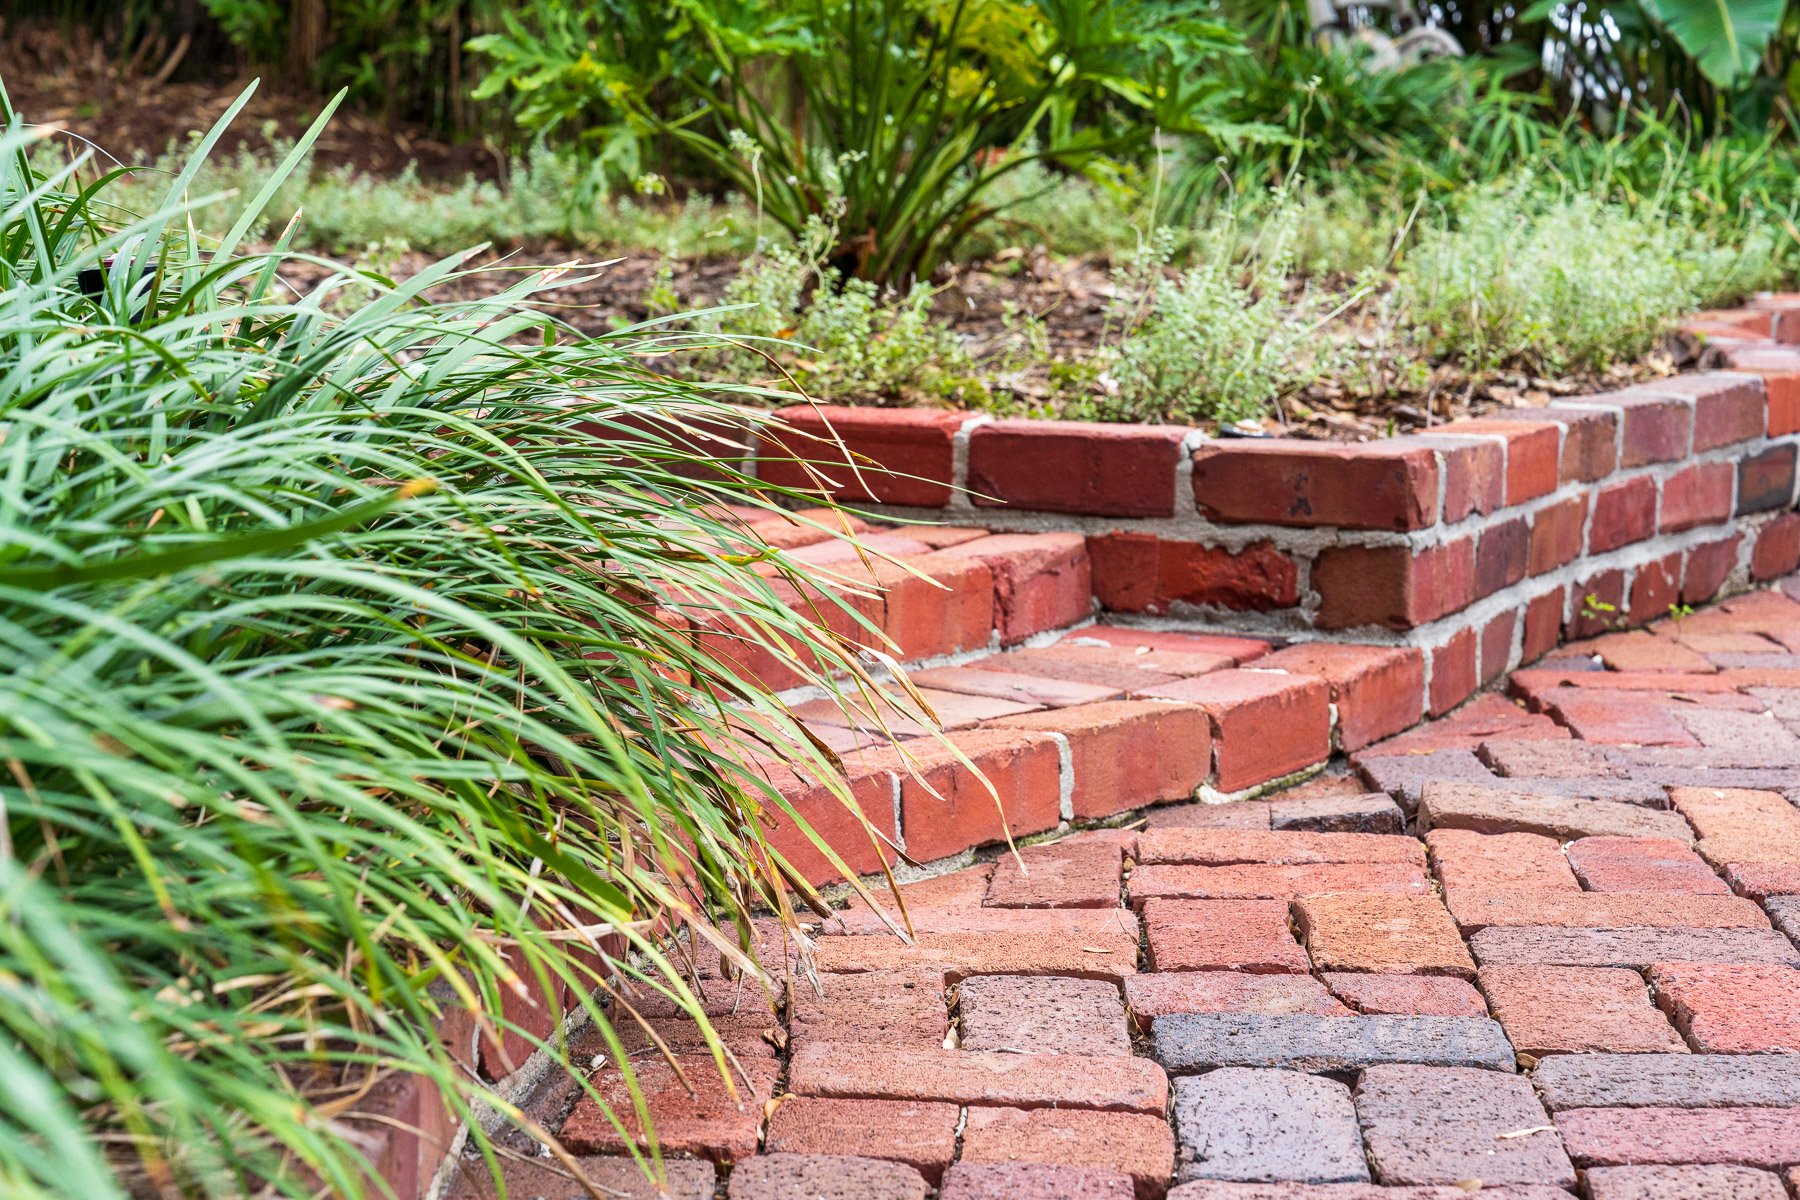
(346, 684)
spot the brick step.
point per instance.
(1101, 721)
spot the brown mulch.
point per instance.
(127, 110)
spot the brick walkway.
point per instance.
(1538, 948)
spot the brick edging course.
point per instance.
(1479, 541)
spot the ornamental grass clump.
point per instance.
(343, 683)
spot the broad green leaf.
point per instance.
(1726, 38)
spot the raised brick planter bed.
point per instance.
(1328, 598)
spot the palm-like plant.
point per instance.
(340, 674)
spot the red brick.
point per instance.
(958, 955)
(904, 1008)
(1543, 624)
(945, 808)
(1759, 881)
(617, 1177)
(1405, 935)
(826, 552)
(824, 1177)
(1556, 534)
(1104, 1082)
(1039, 690)
(870, 782)
(1606, 1137)
(1254, 881)
(1042, 581)
(1655, 588)
(404, 1129)
(703, 1116)
(1032, 1181)
(1684, 1183)
(1496, 646)
(1532, 454)
(1126, 667)
(1728, 406)
(1133, 1144)
(1147, 573)
(973, 917)
(1222, 935)
(1219, 847)
(1590, 439)
(1617, 864)
(1152, 996)
(1587, 612)
(1500, 558)
(1477, 910)
(1777, 548)
(1766, 480)
(1057, 875)
(1406, 995)
(1743, 323)
(1731, 1008)
(1373, 485)
(1455, 672)
(1658, 428)
(886, 455)
(1043, 1014)
(1740, 826)
(1239, 649)
(1096, 469)
(1641, 651)
(896, 716)
(1394, 586)
(920, 1134)
(1623, 513)
(1487, 717)
(936, 604)
(1782, 394)
(1243, 706)
(1708, 566)
(737, 641)
(1378, 690)
(1577, 1010)
(1697, 495)
(1480, 862)
(1128, 754)
(1474, 474)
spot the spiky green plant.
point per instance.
(338, 674)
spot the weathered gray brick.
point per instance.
(1668, 1080)
(1372, 812)
(1404, 776)
(1436, 1125)
(1190, 1042)
(1786, 912)
(1264, 1126)
(1503, 946)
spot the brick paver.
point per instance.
(1042, 1014)
(1549, 933)
(1442, 1125)
(1576, 1010)
(1268, 1126)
